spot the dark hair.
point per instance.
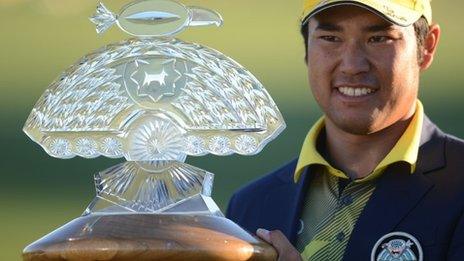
(421, 27)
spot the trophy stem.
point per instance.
(154, 187)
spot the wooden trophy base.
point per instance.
(149, 237)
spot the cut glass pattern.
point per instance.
(131, 187)
(220, 145)
(156, 139)
(196, 146)
(86, 148)
(111, 147)
(202, 92)
(246, 144)
(60, 148)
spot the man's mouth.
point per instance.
(355, 91)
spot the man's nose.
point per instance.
(354, 59)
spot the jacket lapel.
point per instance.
(285, 204)
(396, 194)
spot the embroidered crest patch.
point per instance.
(397, 246)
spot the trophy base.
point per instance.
(149, 237)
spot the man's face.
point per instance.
(363, 71)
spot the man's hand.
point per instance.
(278, 240)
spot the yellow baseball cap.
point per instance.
(400, 12)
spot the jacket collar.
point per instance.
(432, 148)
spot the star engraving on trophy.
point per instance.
(155, 80)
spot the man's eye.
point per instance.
(330, 38)
(380, 39)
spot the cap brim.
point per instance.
(389, 11)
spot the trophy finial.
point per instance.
(146, 18)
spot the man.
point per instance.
(376, 179)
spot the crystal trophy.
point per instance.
(153, 100)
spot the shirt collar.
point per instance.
(406, 149)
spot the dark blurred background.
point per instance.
(40, 38)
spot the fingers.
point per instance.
(280, 242)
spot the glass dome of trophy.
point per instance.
(153, 100)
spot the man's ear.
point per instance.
(430, 46)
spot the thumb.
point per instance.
(280, 242)
(275, 238)
(264, 234)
